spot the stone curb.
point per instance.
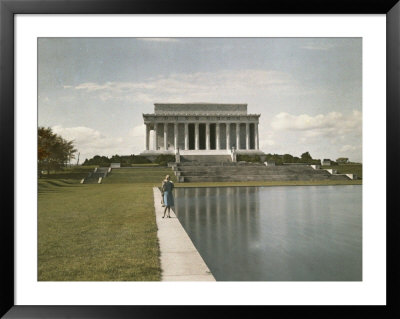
(180, 260)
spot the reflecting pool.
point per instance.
(293, 233)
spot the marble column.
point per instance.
(165, 136)
(155, 137)
(247, 136)
(217, 144)
(256, 146)
(186, 136)
(176, 136)
(237, 136)
(207, 136)
(228, 136)
(147, 137)
(196, 135)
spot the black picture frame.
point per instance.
(8, 9)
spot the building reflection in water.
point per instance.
(275, 233)
(220, 221)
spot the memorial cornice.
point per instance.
(200, 118)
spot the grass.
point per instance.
(152, 175)
(272, 183)
(347, 169)
(107, 232)
(144, 165)
(72, 173)
(91, 232)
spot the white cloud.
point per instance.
(159, 39)
(90, 142)
(319, 46)
(79, 134)
(262, 89)
(329, 135)
(138, 131)
(349, 148)
(266, 137)
(333, 123)
(200, 86)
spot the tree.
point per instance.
(296, 159)
(275, 158)
(98, 160)
(342, 160)
(54, 152)
(306, 157)
(287, 158)
(115, 159)
(163, 159)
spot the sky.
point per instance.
(307, 90)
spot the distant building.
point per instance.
(326, 162)
(201, 129)
(342, 160)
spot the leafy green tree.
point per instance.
(287, 158)
(164, 159)
(316, 162)
(141, 160)
(342, 160)
(249, 158)
(116, 159)
(98, 160)
(276, 158)
(125, 160)
(296, 159)
(54, 152)
(306, 157)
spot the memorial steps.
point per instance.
(206, 158)
(241, 172)
(93, 177)
(206, 139)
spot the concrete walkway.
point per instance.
(180, 260)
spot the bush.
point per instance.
(249, 158)
(140, 160)
(98, 160)
(278, 159)
(163, 160)
(316, 162)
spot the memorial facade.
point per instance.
(201, 128)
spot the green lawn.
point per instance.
(74, 173)
(347, 169)
(272, 183)
(107, 232)
(153, 175)
(99, 232)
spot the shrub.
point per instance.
(98, 160)
(163, 160)
(278, 159)
(249, 158)
(140, 160)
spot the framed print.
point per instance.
(259, 131)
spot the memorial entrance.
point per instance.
(201, 128)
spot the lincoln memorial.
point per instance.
(201, 128)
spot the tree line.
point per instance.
(280, 159)
(128, 160)
(54, 152)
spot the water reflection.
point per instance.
(275, 233)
